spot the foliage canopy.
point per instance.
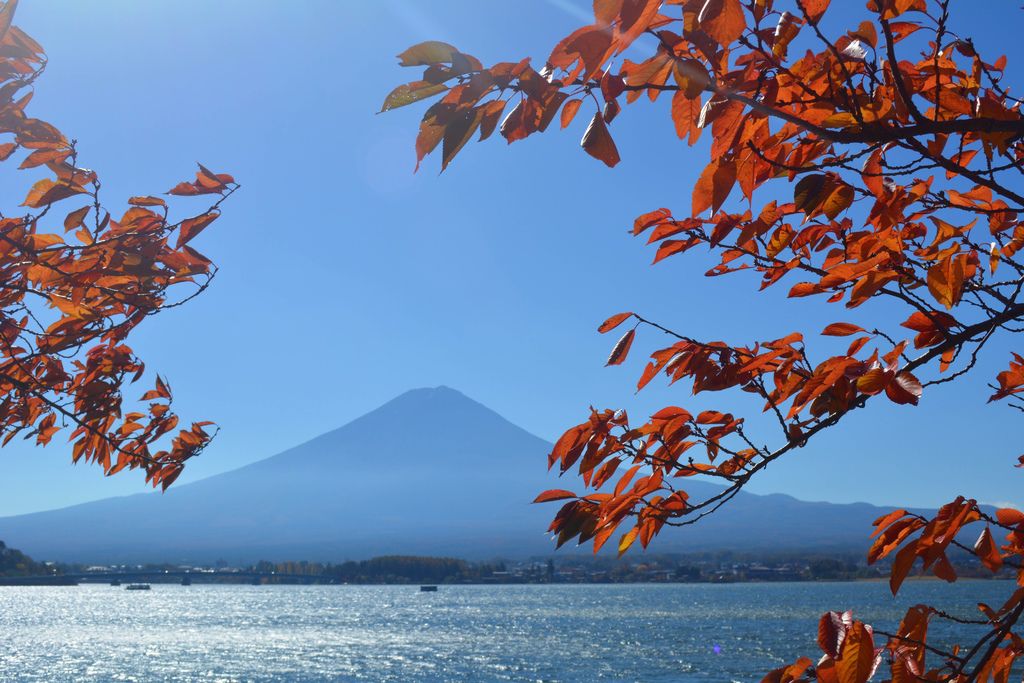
(902, 148)
(76, 282)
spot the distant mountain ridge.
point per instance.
(431, 472)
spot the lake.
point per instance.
(696, 633)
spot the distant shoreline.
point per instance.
(709, 568)
(60, 581)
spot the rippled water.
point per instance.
(694, 633)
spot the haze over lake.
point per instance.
(697, 633)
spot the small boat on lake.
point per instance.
(137, 587)
(428, 589)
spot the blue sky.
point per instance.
(346, 279)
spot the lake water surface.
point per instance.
(683, 632)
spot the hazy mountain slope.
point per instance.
(430, 472)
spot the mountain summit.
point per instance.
(431, 472)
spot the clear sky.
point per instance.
(346, 280)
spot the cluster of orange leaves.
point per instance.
(898, 169)
(77, 281)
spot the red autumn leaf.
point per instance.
(490, 115)
(606, 11)
(713, 186)
(46, 192)
(987, 551)
(621, 348)
(427, 53)
(946, 281)
(810, 192)
(598, 143)
(856, 345)
(193, 226)
(814, 8)
(1010, 516)
(147, 201)
(837, 198)
(70, 308)
(904, 389)
(832, 628)
(76, 218)
(867, 32)
(841, 329)
(408, 93)
(458, 132)
(206, 182)
(902, 565)
(857, 661)
(553, 494)
(789, 674)
(635, 17)
(591, 45)
(614, 321)
(518, 124)
(569, 110)
(874, 381)
(933, 327)
(723, 20)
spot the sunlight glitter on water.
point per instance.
(564, 634)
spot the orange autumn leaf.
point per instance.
(842, 329)
(553, 494)
(723, 20)
(874, 381)
(713, 186)
(614, 321)
(598, 143)
(946, 281)
(857, 661)
(621, 348)
(569, 111)
(987, 551)
(193, 226)
(47, 191)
